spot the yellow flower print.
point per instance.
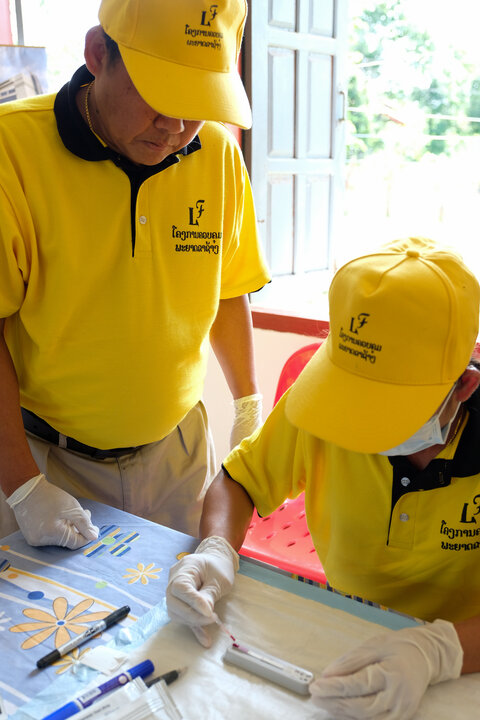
(70, 661)
(143, 573)
(62, 622)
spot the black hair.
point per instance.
(475, 361)
(113, 51)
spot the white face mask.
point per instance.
(429, 434)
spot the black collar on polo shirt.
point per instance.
(467, 456)
(406, 478)
(439, 472)
(78, 138)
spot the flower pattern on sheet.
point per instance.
(70, 661)
(142, 572)
(63, 622)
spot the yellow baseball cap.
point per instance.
(403, 324)
(182, 55)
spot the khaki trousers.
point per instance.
(164, 481)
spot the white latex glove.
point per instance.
(247, 418)
(385, 677)
(197, 581)
(47, 515)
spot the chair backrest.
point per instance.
(293, 367)
(283, 540)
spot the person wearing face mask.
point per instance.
(382, 432)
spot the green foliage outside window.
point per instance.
(399, 76)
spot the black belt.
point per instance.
(42, 429)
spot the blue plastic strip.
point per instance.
(387, 618)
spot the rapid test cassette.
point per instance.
(269, 667)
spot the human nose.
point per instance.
(171, 124)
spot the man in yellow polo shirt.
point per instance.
(382, 432)
(128, 242)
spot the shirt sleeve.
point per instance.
(14, 259)
(244, 269)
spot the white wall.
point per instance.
(271, 351)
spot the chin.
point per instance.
(148, 158)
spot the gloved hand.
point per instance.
(247, 418)
(386, 676)
(197, 581)
(47, 515)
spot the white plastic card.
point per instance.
(104, 659)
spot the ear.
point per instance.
(467, 383)
(95, 50)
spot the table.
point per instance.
(128, 565)
(43, 590)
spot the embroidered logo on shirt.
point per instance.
(470, 510)
(196, 212)
(208, 238)
(464, 534)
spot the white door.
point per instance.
(295, 75)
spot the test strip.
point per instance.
(271, 668)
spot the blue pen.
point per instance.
(142, 670)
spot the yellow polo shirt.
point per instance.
(111, 275)
(401, 537)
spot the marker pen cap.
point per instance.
(64, 712)
(142, 669)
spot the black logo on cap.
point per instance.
(358, 322)
(207, 18)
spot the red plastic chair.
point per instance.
(293, 367)
(282, 539)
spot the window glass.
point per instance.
(60, 26)
(412, 155)
(413, 135)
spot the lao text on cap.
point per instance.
(403, 325)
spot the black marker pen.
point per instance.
(94, 629)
